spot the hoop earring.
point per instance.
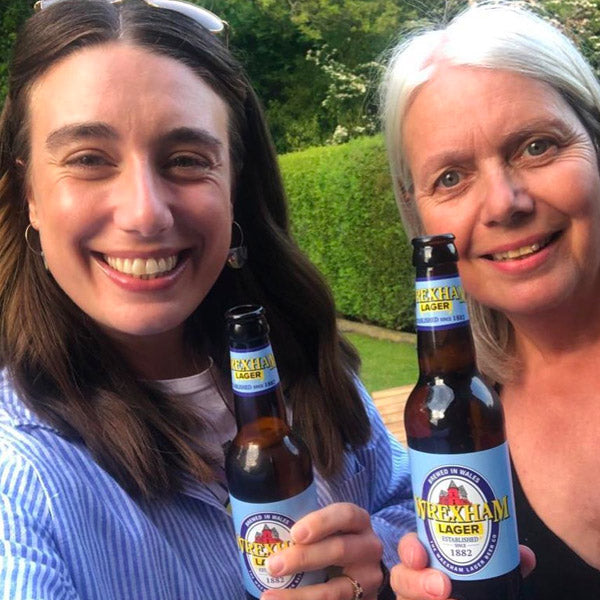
(31, 248)
(238, 254)
(36, 252)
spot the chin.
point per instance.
(145, 327)
(533, 304)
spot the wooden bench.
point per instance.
(390, 404)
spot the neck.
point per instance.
(161, 356)
(559, 335)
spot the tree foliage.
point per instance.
(579, 19)
(316, 63)
(12, 15)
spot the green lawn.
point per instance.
(385, 364)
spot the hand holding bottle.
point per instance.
(412, 579)
(339, 534)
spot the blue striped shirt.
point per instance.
(68, 531)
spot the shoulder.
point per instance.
(366, 398)
(22, 432)
(35, 450)
(379, 463)
(379, 431)
(13, 410)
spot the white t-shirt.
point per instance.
(213, 402)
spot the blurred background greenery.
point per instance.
(315, 63)
(385, 364)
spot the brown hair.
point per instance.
(67, 369)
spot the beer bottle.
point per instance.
(268, 468)
(457, 446)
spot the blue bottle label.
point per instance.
(440, 303)
(465, 512)
(253, 371)
(261, 530)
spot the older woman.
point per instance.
(493, 129)
(132, 149)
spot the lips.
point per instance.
(142, 268)
(522, 251)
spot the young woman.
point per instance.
(132, 150)
(492, 127)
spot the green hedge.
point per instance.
(345, 218)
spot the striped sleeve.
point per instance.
(30, 565)
(392, 507)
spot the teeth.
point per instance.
(519, 252)
(142, 268)
(139, 267)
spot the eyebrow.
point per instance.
(540, 126)
(98, 130)
(526, 129)
(79, 131)
(193, 136)
(443, 159)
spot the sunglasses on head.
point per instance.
(204, 17)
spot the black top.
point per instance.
(560, 574)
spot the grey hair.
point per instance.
(499, 35)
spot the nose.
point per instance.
(143, 203)
(505, 200)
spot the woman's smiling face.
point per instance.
(130, 185)
(504, 163)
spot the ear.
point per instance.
(406, 195)
(31, 205)
(232, 201)
(32, 209)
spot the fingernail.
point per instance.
(434, 584)
(299, 533)
(410, 556)
(274, 565)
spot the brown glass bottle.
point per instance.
(455, 432)
(268, 468)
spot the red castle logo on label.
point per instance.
(269, 535)
(454, 496)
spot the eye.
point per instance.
(188, 165)
(87, 160)
(89, 165)
(186, 162)
(448, 179)
(537, 147)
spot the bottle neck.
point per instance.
(255, 382)
(444, 339)
(443, 352)
(252, 410)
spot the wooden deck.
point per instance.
(390, 404)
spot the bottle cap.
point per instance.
(430, 250)
(247, 321)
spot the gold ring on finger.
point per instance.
(358, 591)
